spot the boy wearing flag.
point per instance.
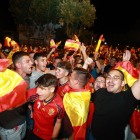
(76, 104)
(48, 109)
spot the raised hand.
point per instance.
(126, 55)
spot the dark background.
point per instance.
(118, 21)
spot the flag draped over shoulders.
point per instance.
(12, 87)
(76, 104)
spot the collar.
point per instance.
(61, 85)
(49, 101)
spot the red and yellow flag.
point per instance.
(53, 45)
(99, 43)
(58, 43)
(72, 45)
(131, 74)
(7, 42)
(12, 88)
(76, 104)
(54, 55)
(16, 48)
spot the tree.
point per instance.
(45, 14)
(77, 15)
(20, 12)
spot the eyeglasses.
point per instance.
(115, 78)
(102, 82)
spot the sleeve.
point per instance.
(31, 95)
(93, 97)
(61, 112)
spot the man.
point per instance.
(101, 61)
(48, 109)
(113, 107)
(12, 122)
(62, 73)
(40, 67)
(76, 103)
(110, 66)
(99, 82)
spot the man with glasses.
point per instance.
(113, 107)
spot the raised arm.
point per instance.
(65, 56)
(99, 67)
(135, 87)
(87, 62)
(83, 49)
(48, 56)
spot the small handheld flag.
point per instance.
(99, 43)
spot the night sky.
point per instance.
(119, 21)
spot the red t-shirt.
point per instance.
(45, 113)
(62, 89)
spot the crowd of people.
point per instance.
(72, 95)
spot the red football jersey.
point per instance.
(45, 113)
(62, 89)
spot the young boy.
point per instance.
(48, 108)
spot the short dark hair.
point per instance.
(37, 55)
(65, 65)
(46, 80)
(113, 57)
(122, 75)
(102, 58)
(101, 75)
(58, 58)
(82, 75)
(31, 52)
(17, 55)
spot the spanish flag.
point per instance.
(72, 45)
(16, 48)
(54, 55)
(58, 43)
(12, 87)
(131, 74)
(76, 104)
(7, 42)
(53, 45)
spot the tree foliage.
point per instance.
(21, 12)
(44, 13)
(77, 15)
